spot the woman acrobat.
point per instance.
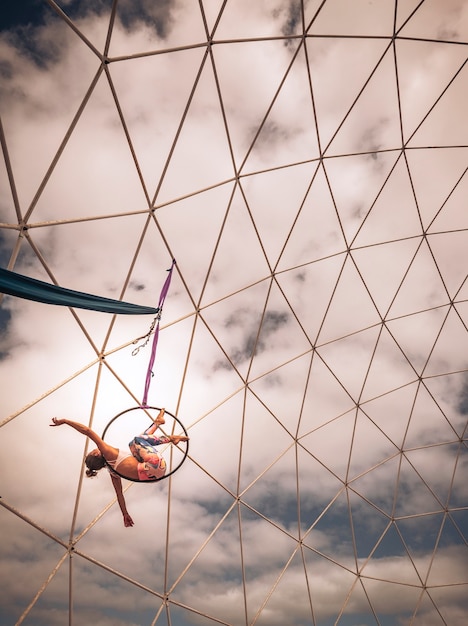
(143, 462)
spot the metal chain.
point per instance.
(146, 337)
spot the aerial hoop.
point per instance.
(178, 453)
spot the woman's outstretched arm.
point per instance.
(117, 483)
(104, 448)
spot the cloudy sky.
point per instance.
(305, 163)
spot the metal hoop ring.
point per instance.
(151, 480)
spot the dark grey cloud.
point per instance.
(5, 318)
(137, 286)
(463, 400)
(5, 314)
(25, 24)
(27, 12)
(157, 15)
(33, 41)
(293, 19)
(254, 342)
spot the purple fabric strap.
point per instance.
(149, 373)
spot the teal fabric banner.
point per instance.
(21, 286)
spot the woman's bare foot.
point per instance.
(178, 438)
(160, 419)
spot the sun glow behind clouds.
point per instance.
(305, 163)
